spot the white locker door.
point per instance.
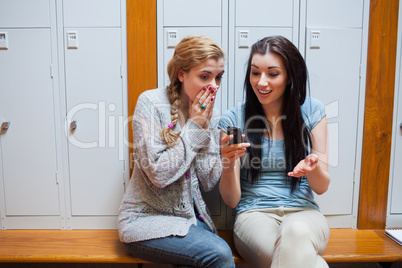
(394, 208)
(334, 70)
(242, 53)
(94, 102)
(396, 196)
(268, 13)
(28, 161)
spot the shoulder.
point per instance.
(234, 111)
(152, 103)
(157, 95)
(311, 105)
(313, 110)
(232, 117)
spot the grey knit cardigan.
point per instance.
(165, 185)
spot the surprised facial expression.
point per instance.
(205, 74)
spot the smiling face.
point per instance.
(205, 74)
(269, 79)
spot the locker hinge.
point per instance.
(121, 71)
(57, 178)
(360, 71)
(354, 176)
(51, 71)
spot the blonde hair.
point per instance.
(191, 51)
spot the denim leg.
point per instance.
(199, 248)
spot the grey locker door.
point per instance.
(396, 196)
(28, 162)
(94, 102)
(334, 71)
(265, 13)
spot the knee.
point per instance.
(224, 252)
(297, 230)
(221, 255)
(296, 239)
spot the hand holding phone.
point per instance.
(236, 132)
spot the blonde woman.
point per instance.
(163, 217)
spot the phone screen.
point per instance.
(236, 132)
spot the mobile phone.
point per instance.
(236, 132)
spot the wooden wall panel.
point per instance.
(380, 83)
(141, 53)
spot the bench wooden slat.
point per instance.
(75, 246)
(352, 245)
(103, 246)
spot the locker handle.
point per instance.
(73, 125)
(400, 124)
(5, 125)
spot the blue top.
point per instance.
(273, 188)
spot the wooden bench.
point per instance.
(103, 246)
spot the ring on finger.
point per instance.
(202, 105)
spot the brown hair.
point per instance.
(191, 51)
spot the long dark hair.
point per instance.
(296, 134)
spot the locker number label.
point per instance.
(243, 39)
(172, 38)
(72, 40)
(3, 40)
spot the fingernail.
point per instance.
(210, 88)
(212, 91)
(204, 88)
(212, 99)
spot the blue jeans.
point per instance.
(199, 248)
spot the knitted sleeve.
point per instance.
(161, 164)
(208, 161)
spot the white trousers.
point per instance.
(282, 237)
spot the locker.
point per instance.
(394, 208)
(94, 95)
(267, 13)
(91, 13)
(47, 178)
(28, 159)
(396, 182)
(242, 54)
(24, 13)
(191, 13)
(335, 14)
(334, 71)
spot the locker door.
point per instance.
(242, 54)
(94, 105)
(394, 209)
(28, 162)
(191, 13)
(265, 13)
(334, 71)
(396, 197)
